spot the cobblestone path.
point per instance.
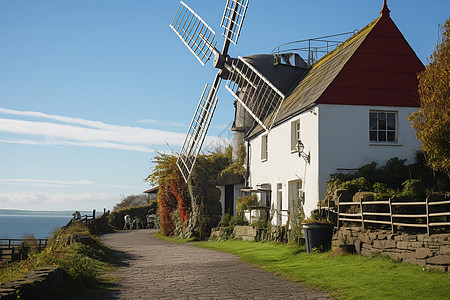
(152, 268)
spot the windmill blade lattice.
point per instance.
(194, 32)
(197, 130)
(199, 38)
(255, 92)
(232, 19)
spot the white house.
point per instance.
(348, 109)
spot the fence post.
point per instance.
(362, 213)
(338, 212)
(428, 215)
(390, 213)
(93, 214)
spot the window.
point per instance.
(266, 195)
(264, 147)
(295, 134)
(295, 195)
(383, 126)
(279, 202)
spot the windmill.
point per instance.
(251, 89)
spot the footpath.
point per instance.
(152, 268)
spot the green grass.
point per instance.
(86, 261)
(345, 276)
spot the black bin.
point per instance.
(318, 235)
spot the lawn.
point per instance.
(345, 276)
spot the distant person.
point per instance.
(76, 215)
(127, 222)
(137, 221)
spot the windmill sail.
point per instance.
(198, 129)
(255, 92)
(194, 32)
(199, 38)
(232, 19)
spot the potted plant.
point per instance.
(318, 234)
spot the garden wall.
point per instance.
(249, 233)
(430, 251)
(46, 283)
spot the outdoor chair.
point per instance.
(151, 219)
(127, 222)
(137, 223)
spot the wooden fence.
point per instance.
(426, 214)
(84, 219)
(17, 249)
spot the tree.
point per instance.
(432, 121)
(132, 200)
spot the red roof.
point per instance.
(382, 71)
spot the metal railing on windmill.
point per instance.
(251, 89)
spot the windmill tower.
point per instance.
(252, 90)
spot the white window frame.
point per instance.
(264, 147)
(279, 203)
(295, 193)
(381, 131)
(295, 135)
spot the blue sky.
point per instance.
(90, 89)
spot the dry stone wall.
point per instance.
(429, 251)
(45, 283)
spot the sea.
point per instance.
(41, 226)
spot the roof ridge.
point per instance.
(346, 42)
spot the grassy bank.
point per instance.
(345, 276)
(83, 256)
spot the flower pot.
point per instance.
(318, 236)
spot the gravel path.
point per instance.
(152, 268)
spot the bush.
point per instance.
(379, 187)
(116, 217)
(413, 189)
(225, 221)
(245, 202)
(261, 222)
(355, 185)
(101, 225)
(238, 220)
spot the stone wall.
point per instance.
(429, 251)
(275, 234)
(38, 284)
(246, 233)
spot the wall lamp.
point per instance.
(301, 153)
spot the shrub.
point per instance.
(261, 222)
(116, 217)
(356, 185)
(413, 189)
(245, 202)
(379, 187)
(238, 220)
(225, 221)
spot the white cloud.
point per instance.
(59, 183)
(58, 201)
(86, 133)
(45, 182)
(162, 123)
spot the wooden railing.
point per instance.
(395, 213)
(17, 249)
(84, 219)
